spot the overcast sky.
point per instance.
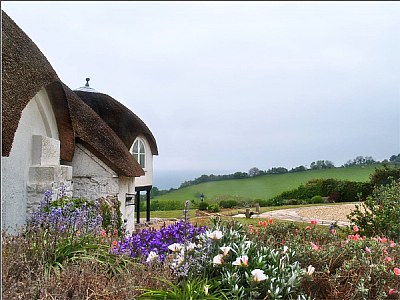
(232, 85)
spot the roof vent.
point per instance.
(86, 88)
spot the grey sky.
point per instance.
(232, 85)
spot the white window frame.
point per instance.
(139, 154)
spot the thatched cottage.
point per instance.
(53, 136)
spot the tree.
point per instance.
(254, 172)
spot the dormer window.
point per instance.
(139, 153)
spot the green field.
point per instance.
(265, 187)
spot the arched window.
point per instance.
(139, 153)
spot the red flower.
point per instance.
(355, 228)
(270, 220)
(314, 222)
(114, 243)
(308, 228)
(396, 271)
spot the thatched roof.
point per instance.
(122, 120)
(100, 139)
(25, 72)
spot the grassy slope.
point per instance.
(264, 187)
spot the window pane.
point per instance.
(141, 148)
(135, 147)
(142, 160)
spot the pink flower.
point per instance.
(355, 228)
(388, 259)
(103, 233)
(270, 221)
(367, 249)
(314, 222)
(315, 247)
(396, 271)
(308, 228)
(392, 244)
(392, 291)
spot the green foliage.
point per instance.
(193, 289)
(354, 268)
(213, 208)
(337, 190)
(317, 199)
(380, 213)
(203, 206)
(265, 186)
(245, 269)
(385, 175)
(228, 203)
(157, 205)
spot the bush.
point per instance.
(380, 213)
(156, 205)
(228, 203)
(385, 175)
(317, 199)
(335, 190)
(203, 206)
(213, 208)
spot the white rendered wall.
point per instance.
(147, 179)
(127, 185)
(92, 178)
(37, 119)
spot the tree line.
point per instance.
(253, 172)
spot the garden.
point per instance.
(77, 249)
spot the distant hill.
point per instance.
(266, 186)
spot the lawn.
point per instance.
(264, 187)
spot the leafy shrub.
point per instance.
(317, 199)
(203, 206)
(354, 268)
(213, 208)
(290, 202)
(380, 213)
(385, 175)
(228, 203)
(156, 205)
(336, 190)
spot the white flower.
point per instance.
(217, 260)
(152, 256)
(179, 259)
(241, 261)
(215, 235)
(310, 270)
(258, 275)
(206, 287)
(285, 249)
(191, 247)
(175, 247)
(225, 250)
(247, 244)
